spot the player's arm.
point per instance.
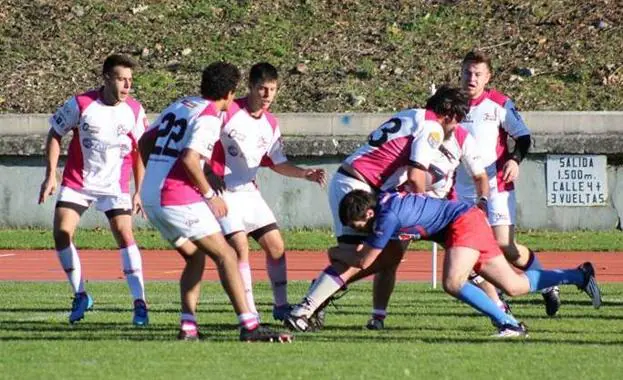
(423, 148)
(146, 144)
(64, 120)
(517, 129)
(138, 164)
(205, 133)
(276, 159)
(290, 170)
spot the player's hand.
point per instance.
(217, 183)
(217, 206)
(510, 171)
(316, 175)
(137, 205)
(483, 204)
(48, 187)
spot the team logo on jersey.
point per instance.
(467, 119)
(85, 127)
(434, 139)
(87, 143)
(402, 236)
(122, 130)
(262, 143)
(236, 135)
(491, 117)
(232, 150)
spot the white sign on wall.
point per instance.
(576, 180)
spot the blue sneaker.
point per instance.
(280, 312)
(141, 318)
(79, 305)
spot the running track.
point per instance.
(18, 265)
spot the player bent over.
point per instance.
(251, 139)
(106, 125)
(179, 201)
(469, 242)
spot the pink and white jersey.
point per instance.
(99, 160)
(410, 137)
(247, 143)
(189, 123)
(491, 119)
(458, 148)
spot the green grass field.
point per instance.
(316, 240)
(428, 336)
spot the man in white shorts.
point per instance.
(492, 118)
(106, 125)
(181, 204)
(251, 139)
(411, 139)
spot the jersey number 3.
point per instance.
(169, 123)
(381, 134)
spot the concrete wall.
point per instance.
(324, 139)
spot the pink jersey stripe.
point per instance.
(84, 100)
(126, 173)
(177, 190)
(217, 163)
(135, 106)
(72, 175)
(460, 134)
(378, 165)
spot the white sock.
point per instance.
(71, 265)
(324, 287)
(133, 270)
(248, 321)
(245, 273)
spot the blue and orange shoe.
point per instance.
(141, 317)
(79, 306)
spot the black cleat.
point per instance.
(375, 324)
(512, 331)
(590, 286)
(264, 334)
(552, 300)
(298, 323)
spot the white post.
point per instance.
(434, 278)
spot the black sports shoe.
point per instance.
(298, 323)
(317, 319)
(511, 331)
(590, 286)
(264, 334)
(552, 300)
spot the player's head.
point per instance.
(450, 104)
(263, 81)
(476, 72)
(357, 210)
(117, 73)
(219, 81)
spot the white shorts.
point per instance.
(178, 224)
(246, 211)
(339, 186)
(502, 207)
(103, 203)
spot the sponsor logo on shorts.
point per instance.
(190, 222)
(497, 216)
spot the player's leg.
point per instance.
(240, 244)
(262, 226)
(458, 264)
(69, 208)
(502, 217)
(120, 220)
(271, 242)
(190, 288)
(217, 248)
(236, 235)
(385, 267)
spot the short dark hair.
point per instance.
(449, 101)
(263, 72)
(115, 60)
(354, 206)
(477, 56)
(218, 80)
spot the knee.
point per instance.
(452, 285)
(513, 290)
(62, 238)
